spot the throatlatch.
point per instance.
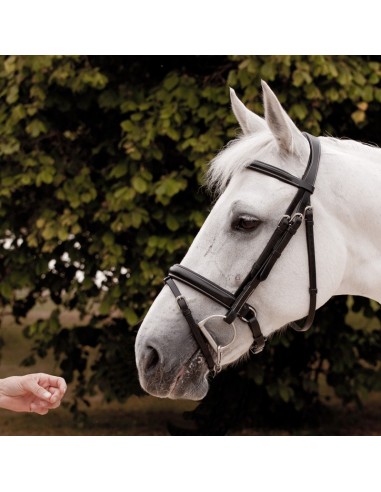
(299, 210)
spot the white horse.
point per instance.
(347, 242)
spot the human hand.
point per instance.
(37, 393)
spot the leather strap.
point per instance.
(309, 176)
(202, 284)
(184, 308)
(309, 220)
(281, 175)
(259, 339)
(208, 288)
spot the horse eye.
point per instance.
(245, 223)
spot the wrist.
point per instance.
(6, 398)
(2, 395)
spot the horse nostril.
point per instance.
(152, 359)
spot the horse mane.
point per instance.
(238, 153)
(347, 144)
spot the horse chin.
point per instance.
(189, 382)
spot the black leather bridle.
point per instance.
(299, 210)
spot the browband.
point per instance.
(281, 175)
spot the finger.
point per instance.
(56, 394)
(54, 381)
(55, 400)
(39, 408)
(30, 383)
(52, 406)
(42, 404)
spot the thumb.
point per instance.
(32, 385)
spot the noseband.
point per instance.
(298, 211)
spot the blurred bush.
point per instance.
(101, 166)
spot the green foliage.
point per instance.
(101, 166)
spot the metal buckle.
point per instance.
(253, 311)
(297, 214)
(309, 207)
(256, 350)
(181, 303)
(217, 367)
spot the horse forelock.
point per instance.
(233, 158)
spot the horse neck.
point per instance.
(352, 175)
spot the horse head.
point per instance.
(242, 222)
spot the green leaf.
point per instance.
(119, 170)
(13, 94)
(285, 393)
(128, 126)
(45, 176)
(108, 239)
(35, 128)
(6, 290)
(171, 82)
(131, 316)
(106, 305)
(358, 116)
(139, 184)
(172, 223)
(62, 234)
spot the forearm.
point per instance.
(5, 400)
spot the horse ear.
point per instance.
(280, 124)
(248, 121)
